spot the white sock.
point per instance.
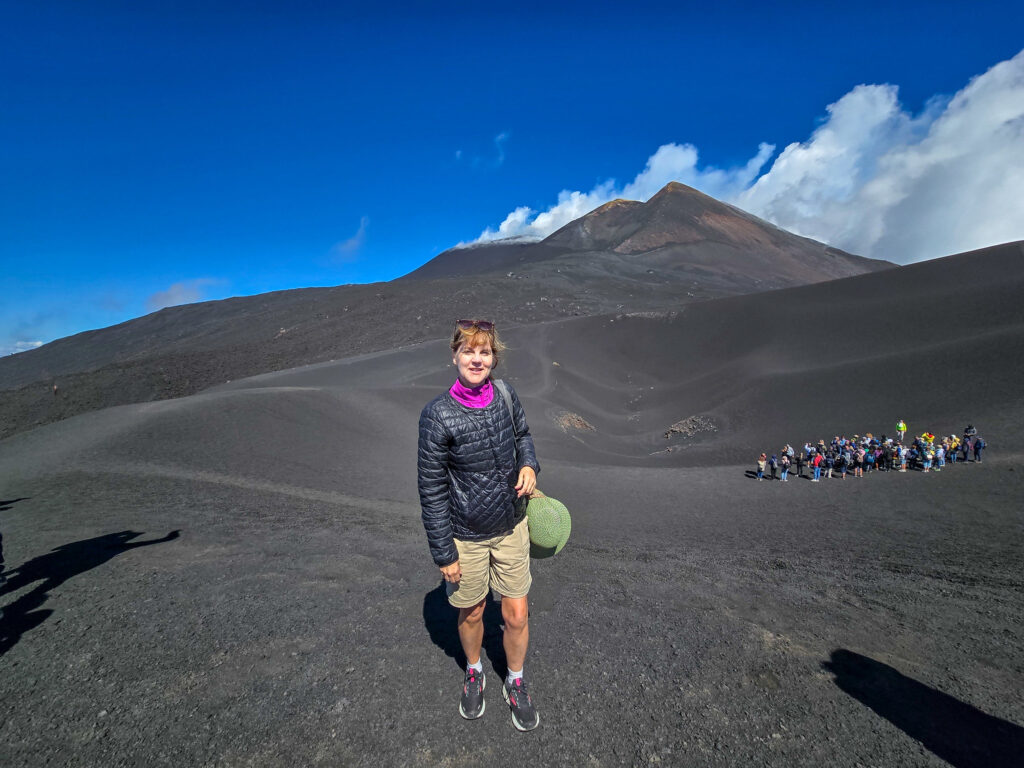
(513, 676)
(479, 666)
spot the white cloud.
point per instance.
(872, 179)
(671, 162)
(20, 346)
(876, 180)
(488, 162)
(185, 292)
(499, 145)
(347, 250)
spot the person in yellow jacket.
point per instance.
(901, 429)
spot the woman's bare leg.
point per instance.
(471, 631)
(516, 613)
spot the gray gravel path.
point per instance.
(697, 618)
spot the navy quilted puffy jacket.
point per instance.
(467, 471)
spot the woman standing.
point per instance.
(475, 461)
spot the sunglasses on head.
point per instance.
(483, 325)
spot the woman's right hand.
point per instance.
(452, 573)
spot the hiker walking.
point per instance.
(476, 459)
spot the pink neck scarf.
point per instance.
(478, 397)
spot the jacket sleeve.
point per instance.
(524, 442)
(432, 479)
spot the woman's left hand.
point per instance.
(527, 482)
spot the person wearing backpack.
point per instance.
(475, 462)
(816, 463)
(830, 463)
(979, 444)
(773, 465)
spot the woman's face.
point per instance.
(474, 363)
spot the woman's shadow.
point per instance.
(441, 620)
(53, 569)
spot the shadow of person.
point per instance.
(441, 622)
(4, 506)
(958, 733)
(53, 569)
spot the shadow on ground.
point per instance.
(53, 569)
(441, 620)
(958, 733)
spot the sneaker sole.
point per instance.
(519, 726)
(483, 702)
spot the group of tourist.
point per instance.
(863, 454)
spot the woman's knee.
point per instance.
(515, 613)
(473, 614)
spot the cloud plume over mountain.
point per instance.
(185, 292)
(872, 179)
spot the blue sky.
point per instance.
(156, 153)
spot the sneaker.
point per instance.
(472, 705)
(524, 716)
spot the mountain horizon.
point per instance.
(677, 228)
(679, 247)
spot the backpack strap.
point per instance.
(507, 397)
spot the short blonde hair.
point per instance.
(476, 336)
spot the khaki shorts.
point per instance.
(502, 563)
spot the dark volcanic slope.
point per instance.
(843, 357)
(183, 350)
(240, 577)
(681, 227)
(678, 248)
(939, 343)
(488, 258)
